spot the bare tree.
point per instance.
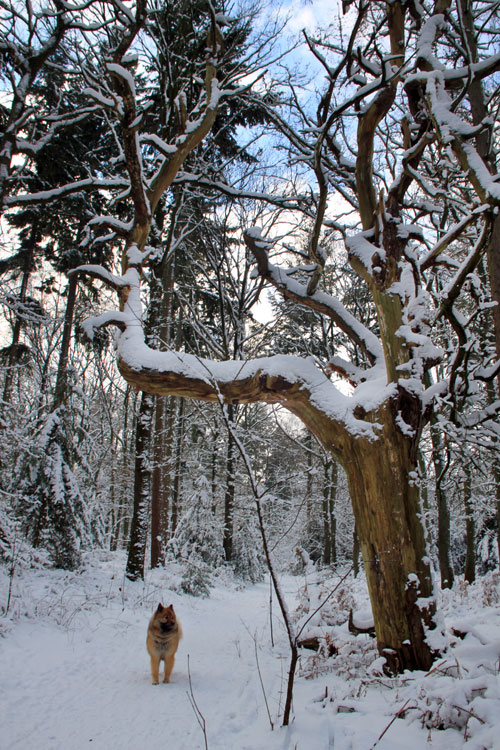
(406, 238)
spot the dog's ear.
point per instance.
(160, 607)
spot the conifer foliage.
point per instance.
(53, 511)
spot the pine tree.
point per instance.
(51, 506)
(197, 542)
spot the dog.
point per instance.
(164, 634)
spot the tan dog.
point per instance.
(164, 634)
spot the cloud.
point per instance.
(310, 15)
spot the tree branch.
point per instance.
(320, 302)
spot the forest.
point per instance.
(250, 287)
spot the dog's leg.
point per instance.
(169, 665)
(155, 669)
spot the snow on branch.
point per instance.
(299, 200)
(194, 132)
(167, 149)
(451, 235)
(452, 290)
(474, 71)
(320, 301)
(44, 196)
(100, 273)
(113, 318)
(120, 228)
(295, 383)
(57, 121)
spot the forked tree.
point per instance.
(395, 136)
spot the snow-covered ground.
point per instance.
(75, 672)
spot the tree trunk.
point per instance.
(355, 553)
(495, 470)
(334, 476)
(62, 368)
(227, 541)
(123, 512)
(311, 542)
(213, 479)
(424, 497)
(493, 260)
(157, 484)
(140, 517)
(496, 475)
(165, 410)
(443, 535)
(387, 511)
(327, 550)
(470, 528)
(177, 468)
(329, 521)
(12, 357)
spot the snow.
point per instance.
(430, 30)
(123, 73)
(69, 188)
(160, 144)
(106, 101)
(360, 246)
(75, 672)
(222, 19)
(122, 227)
(282, 280)
(323, 394)
(132, 349)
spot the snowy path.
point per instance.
(74, 672)
(88, 684)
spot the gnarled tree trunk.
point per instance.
(387, 510)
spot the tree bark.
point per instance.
(18, 325)
(443, 535)
(327, 550)
(140, 517)
(227, 541)
(124, 515)
(355, 553)
(387, 511)
(158, 505)
(329, 521)
(470, 528)
(177, 468)
(62, 368)
(164, 416)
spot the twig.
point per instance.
(271, 610)
(324, 601)
(294, 654)
(199, 716)
(12, 570)
(262, 683)
(396, 716)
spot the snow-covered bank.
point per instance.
(75, 672)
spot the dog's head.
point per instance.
(165, 618)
